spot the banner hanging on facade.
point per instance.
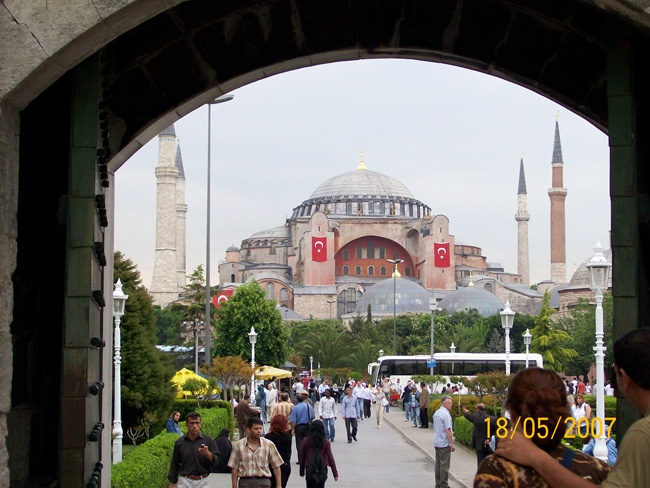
(319, 249)
(442, 260)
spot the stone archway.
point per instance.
(100, 109)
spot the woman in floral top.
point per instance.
(540, 395)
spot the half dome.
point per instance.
(410, 297)
(471, 298)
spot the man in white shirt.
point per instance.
(322, 387)
(367, 400)
(443, 441)
(327, 413)
(297, 388)
(357, 394)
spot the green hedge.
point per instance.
(463, 430)
(147, 466)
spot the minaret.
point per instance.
(164, 288)
(522, 217)
(181, 214)
(557, 194)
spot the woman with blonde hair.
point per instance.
(380, 403)
(581, 410)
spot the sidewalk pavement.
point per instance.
(463, 459)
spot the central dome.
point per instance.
(361, 183)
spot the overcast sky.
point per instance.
(451, 135)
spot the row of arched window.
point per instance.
(270, 293)
(358, 270)
(370, 252)
(364, 208)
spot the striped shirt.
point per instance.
(282, 408)
(250, 463)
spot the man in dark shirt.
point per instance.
(480, 440)
(244, 411)
(195, 456)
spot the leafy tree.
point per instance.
(365, 353)
(146, 375)
(230, 371)
(248, 307)
(328, 346)
(461, 337)
(201, 389)
(549, 340)
(432, 380)
(581, 326)
(496, 384)
(496, 343)
(169, 323)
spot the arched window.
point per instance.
(371, 270)
(284, 295)
(270, 291)
(232, 278)
(382, 271)
(347, 302)
(488, 287)
(407, 271)
(346, 254)
(359, 252)
(348, 208)
(357, 270)
(346, 270)
(371, 250)
(371, 208)
(382, 252)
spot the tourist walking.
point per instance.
(350, 413)
(271, 400)
(368, 397)
(385, 386)
(406, 400)
(260, 401)
(251, 458)
(297, 388)
(280, 435)
(284, 407)
(581, 410)
(224, 446)
(301, 415)
(443, 441)
(415, 406)
(194, 457)
(425, 402)
(327, 413)
(380, 404)
(243, 412)
(316, 455)
(357, 394)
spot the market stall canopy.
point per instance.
(269, 372)
(181, 377)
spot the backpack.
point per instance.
(316, 470)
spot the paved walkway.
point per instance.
(397, 455)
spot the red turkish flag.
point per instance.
(222, 297)
(443, 259)
(319, 249)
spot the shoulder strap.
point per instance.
(567, 458)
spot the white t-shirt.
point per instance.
(298, 387)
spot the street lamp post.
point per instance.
(598, 267)
(119, 300)
(433, 307)
(311, 366)
(507, 320)
(452, 348)
(395, 262)
(331, 302)
(381, 352)
(252, 337)
(527, 338)
(208, 321)
(195, 324)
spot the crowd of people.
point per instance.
(512, 459)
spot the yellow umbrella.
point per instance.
(181, 377)
(268, 372)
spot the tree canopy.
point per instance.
(550, 340)
(145, 372)
(248, 307)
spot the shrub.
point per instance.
(467, 401)
(463, 431)
(147, 466)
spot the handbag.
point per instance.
(384, 402)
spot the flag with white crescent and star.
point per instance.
(442, 260)
(222, 297)
(319, 249)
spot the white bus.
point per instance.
(448, 364)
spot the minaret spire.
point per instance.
(522, 217)
(557, 193)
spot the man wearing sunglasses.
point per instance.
(632, 378)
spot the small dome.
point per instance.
(274, 233)
(409, 297)
(232, 249)
(359, 183)
(580, 279)
(472, 298)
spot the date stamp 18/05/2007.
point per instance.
(538, 427)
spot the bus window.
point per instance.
(496, 366)
(444, 368)
(406, 368)
(472, 368)
(387, 368)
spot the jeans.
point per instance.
(415, 415)
(387, 395)
(407, 407)
(360, 407)
(330, 432)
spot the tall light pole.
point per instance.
(433, 306)
(252, 337)
(311, 366)
(598, 267)
(195, 324)
(395, 262)
(119, 300)
(331, 302)
(208, 321)
(528, 337)
(507, 321)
